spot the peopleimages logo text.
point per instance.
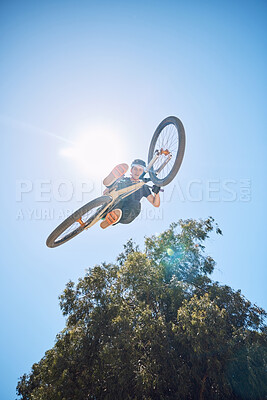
(43, 199)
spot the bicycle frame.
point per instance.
(115, 194)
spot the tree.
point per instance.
(154, 326)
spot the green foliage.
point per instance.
(154, 326)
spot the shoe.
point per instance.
(115, 174)
(111, 218)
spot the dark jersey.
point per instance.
(144, 191)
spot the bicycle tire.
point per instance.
(179, 153)
(100, 203)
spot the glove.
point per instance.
(155, 189)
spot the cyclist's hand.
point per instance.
(155, 189)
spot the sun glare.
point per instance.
(96, 151)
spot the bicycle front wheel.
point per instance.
(169, 142)
(81, 219)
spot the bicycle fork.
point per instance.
(156, 156)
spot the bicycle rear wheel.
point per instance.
(77, 222)
(169, 141)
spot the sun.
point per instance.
(96, 151)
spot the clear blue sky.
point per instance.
(79, 77)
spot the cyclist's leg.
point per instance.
(130, 210)
(115, 174)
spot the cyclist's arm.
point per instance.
(154, 199)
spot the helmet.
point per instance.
(138, 163)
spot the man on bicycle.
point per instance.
(130, 207)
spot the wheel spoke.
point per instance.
(79, 224)
(168, 140)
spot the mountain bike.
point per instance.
(165, 155)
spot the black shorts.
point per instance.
(130, 210)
